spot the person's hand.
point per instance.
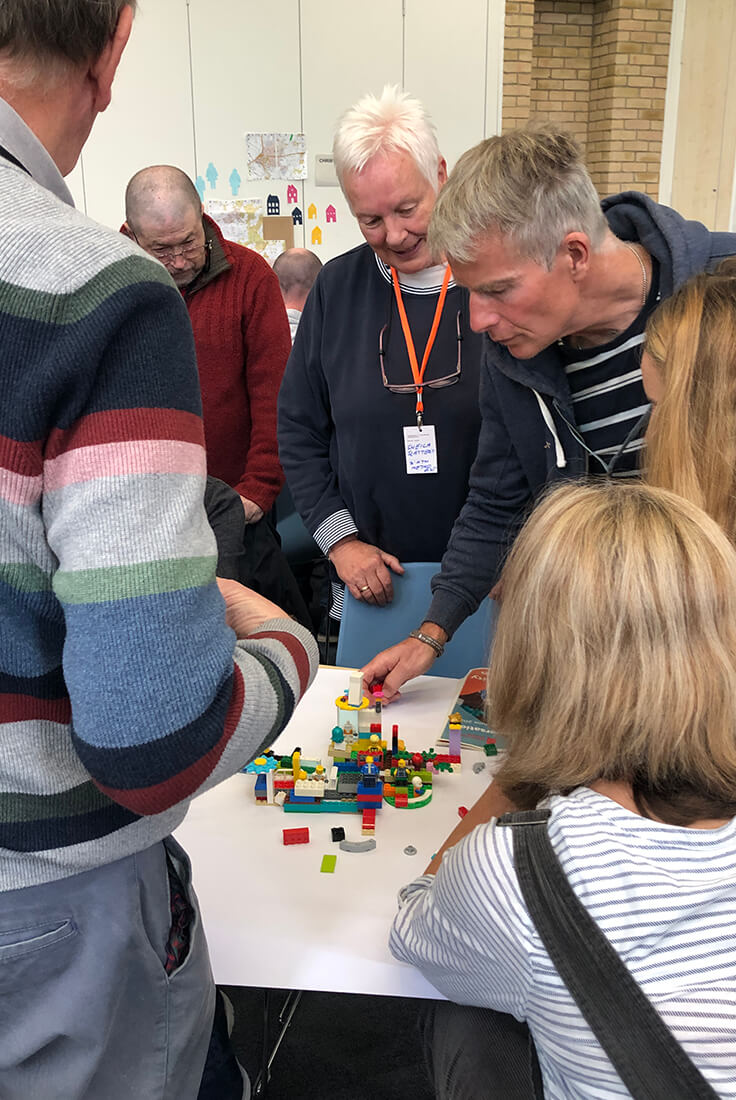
(245, 609)
(402, 662)
(364, 569)
(253, 511)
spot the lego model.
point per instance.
(364, 770)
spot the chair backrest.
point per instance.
(296, 542)
(366, 629)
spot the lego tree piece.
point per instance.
(357, 845)
(338, 834)
(328, 865)
(296, 836)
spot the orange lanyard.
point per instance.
(416, 370)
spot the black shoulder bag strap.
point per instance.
(13, 160)
(643, 1051)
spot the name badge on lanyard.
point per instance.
(420, 448)
(420, 442)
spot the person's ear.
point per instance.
(442, 173)
(102, 71)
(576, 251)
(127, 231)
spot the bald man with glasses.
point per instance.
(243, 340)
(240, 329)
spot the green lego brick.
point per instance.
(328, 864)
(331, 807)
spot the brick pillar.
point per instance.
(517, 63)
(560, 86)
(630, 51)
(597, 68)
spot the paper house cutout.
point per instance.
(331, 213)
(296, 216)
(273, 206)
(316, 235)
(291, 193)
(312, 211)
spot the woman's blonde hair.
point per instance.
(615, 651)
(691, 440)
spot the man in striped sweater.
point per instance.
(124, 690)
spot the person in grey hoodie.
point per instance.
(562, 285)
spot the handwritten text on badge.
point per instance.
(420, 448)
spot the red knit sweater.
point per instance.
(243, 341)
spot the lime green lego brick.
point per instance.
(328, 864)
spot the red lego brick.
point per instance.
(369, 817)
(296, 836)
(462, 810)
(401, 801)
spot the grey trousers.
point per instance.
(87, 1011)
(478, 1054)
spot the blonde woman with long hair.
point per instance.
(613, 679)
(689, 373)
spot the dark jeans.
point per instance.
(478, 1054)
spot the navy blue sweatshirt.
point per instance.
(341, 440)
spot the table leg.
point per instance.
(289, 1007)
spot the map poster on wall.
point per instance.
(276, 156)
(241, 220)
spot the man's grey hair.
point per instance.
(42, 36)
(394, 122)
(296, 270)
(530, 186)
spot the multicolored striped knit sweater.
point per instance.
(122, 691)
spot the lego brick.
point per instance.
(338, 833)
(401, 801)
(328, 864)
(358, 845)
(296, 836)
(322, 808)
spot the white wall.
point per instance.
(199, 74)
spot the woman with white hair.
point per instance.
(378, 411)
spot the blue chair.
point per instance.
(296, 542)
(365, 629)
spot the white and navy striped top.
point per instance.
(608, 395)
(664, 896)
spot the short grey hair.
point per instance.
(530, 185)
(395, 122)
(57, 32)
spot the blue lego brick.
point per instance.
(372, 790)
(260, 784)
(305, 799)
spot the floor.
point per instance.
(339, 1046)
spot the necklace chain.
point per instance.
(644, 279)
